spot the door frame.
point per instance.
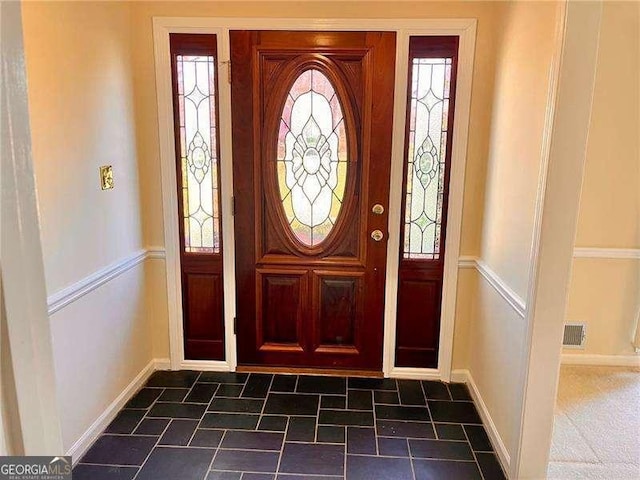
(464, 28)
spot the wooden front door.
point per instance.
(312, 125)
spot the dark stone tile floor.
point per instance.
(231, 426)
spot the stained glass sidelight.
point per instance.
(198, 152)
(312, 157)
(429, 108)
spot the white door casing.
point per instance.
(465, 29)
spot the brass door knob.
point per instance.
(377, 235)
(377, 209)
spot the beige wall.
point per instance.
(80, 81)
(522, 81)
(610, 200)
(81, 106)
(605, 293)
(521, 85)
(156, 306)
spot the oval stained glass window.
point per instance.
(312, 157)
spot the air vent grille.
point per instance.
(574, 335)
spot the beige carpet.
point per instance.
(596, 433)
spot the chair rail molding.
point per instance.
(88, 284)
(607, 253)
(499, 285)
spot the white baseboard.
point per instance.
(464, 376)
(80, 447)
(205, 365)
(411, 373)
(602, 360)
(162, 364)
(460, 376)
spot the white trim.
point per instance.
(169, 196)
(464, 28)
(3, 435)
(412, 373)
(70, 294)
(500, 286)
(157, 253)
(205, 365)
(602, 360)
(464, 376)
(414, 26)
(80, 447)
(597, 252)
(162, 364)
(162, 27)
(467, 262)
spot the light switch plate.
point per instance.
(106, 177)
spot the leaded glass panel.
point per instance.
(312, 157)
(429, 108)
(198, 150)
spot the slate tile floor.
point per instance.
(231, 426)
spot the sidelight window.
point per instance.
(196, 109)
(426, 167)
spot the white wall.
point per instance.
(11, 442)
(520, 98)
(95, 360)
(555, 235)
(498, 330)
(80, 86)
(28, 371)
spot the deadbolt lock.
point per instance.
(377, 235)
(377, 209)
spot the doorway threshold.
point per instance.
(309, 371)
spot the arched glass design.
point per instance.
(198, 151)
(312, 157)
(428, 136)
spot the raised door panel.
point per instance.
(281, 309)
(203, 316)
(338, 313)
(418, 322)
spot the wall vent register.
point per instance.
(574, 335)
